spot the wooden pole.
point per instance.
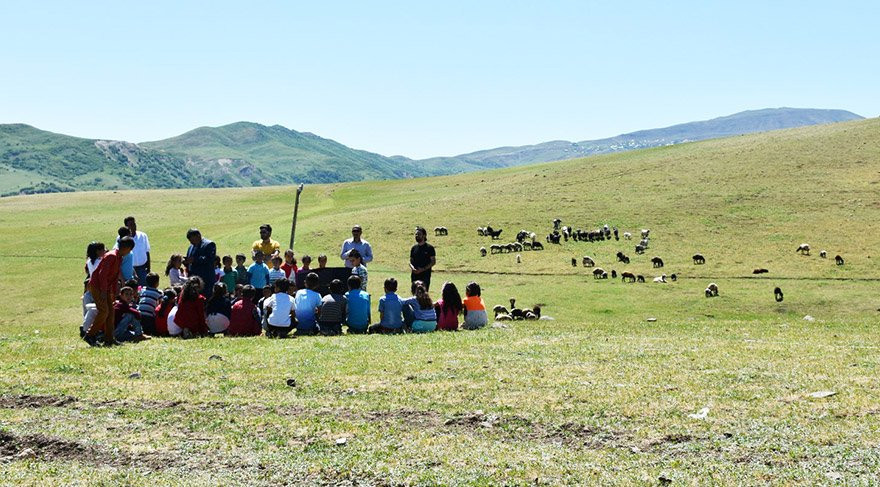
(295, 210)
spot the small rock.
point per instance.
(701, 414)
(809, 318)
(25, 454)
(550, 318)
(833, 475)
(341, 441)
(822, 394)
(651, 319)
(215, 357)
(499, 324)
(136, 375)
(291, 382)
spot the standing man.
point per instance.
(355, 243)
(104, 285)
(200, 259)
(422, 258)
(141, 252)
(270, 248)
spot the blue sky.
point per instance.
(424, 79)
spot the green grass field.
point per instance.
(599, 395)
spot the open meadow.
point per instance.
(715, 391)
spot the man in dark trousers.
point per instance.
(200, 259)
(103, 285)
(422, 258)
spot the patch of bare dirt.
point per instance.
(28, 401)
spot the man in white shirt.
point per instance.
(141, 251)
(355, 243)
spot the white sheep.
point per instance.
(627, 236)
(660, 278)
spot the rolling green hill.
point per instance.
(628, 384)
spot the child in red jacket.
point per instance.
(245, 319)
(191, 309)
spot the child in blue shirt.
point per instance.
(306, 303)
(390, 310)
(358, 318)
(258, 272)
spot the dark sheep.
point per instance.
(778, 294)
(574, 262)
(537, 246)
(804, 249)
(673, 277)
(482, 251)
(599, 273)
(699, 259)
(823, 254)
(615, 234)
(640, 278)
(613, 274)
(495, 249)
(838, 260)
(515, 312)
(656, 261)
(500, 310)
(588, 262)
(640, 250)
(627, 276)
(556, 223)
(440, 231)
(495, 234)
(760, 270)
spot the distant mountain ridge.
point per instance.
(251, 154)
(746, 122)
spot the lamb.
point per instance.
(440, 231)
(660, 279)
(537, 246)
(712, 290)
(588, 262)
(823, 254)
(673, 277)
(657, 261)
(838, 260)
(626, 275)
(804, 249)
(613, 274)
(482, 251)
(640, 278)
(778, 294)
(760, 270)
(627, 236)
(599, 273)
(699, 259)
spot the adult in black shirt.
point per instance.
(422, 258)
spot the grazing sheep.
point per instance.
(645, 233)
(500, 310)
(804, 249)
(621, 257)
(640, 250)
(527, 245)
(640, 278)
(517, 247)
(440, 231)
(823, 254)
(778, 294)
(518, 259)
(482, 251)
(556, 223)
(661, 278)
(504, 317)
(537, 246)
(699, 259)
(554, 237)
(588, 262)
(644, 243)
(533, 237)
(627, 236)
(673, 277)
(838, 260)
(656, 261)
(599, 273)
(509, 247)
(515, 312)
(711, 290)
(495, 249)
(627, 276)
(615, 234)
(760, 270)
(613, 274)
(574, 262)
(495, 234)
(481, 231)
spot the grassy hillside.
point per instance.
(285, 155)
(599, 395)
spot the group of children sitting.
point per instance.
(250, 301)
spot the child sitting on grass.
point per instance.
(149, 299)
(190, 315)
(390, 310)
(276, 272)
(127, 318)
(278, 309)
(245, 318)
(166, 303)
(424, 316)
(307, 301)
(448, 308)
(474, 308)
(358, 317)
(218, 309)
(331, 312)
(175, 271)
